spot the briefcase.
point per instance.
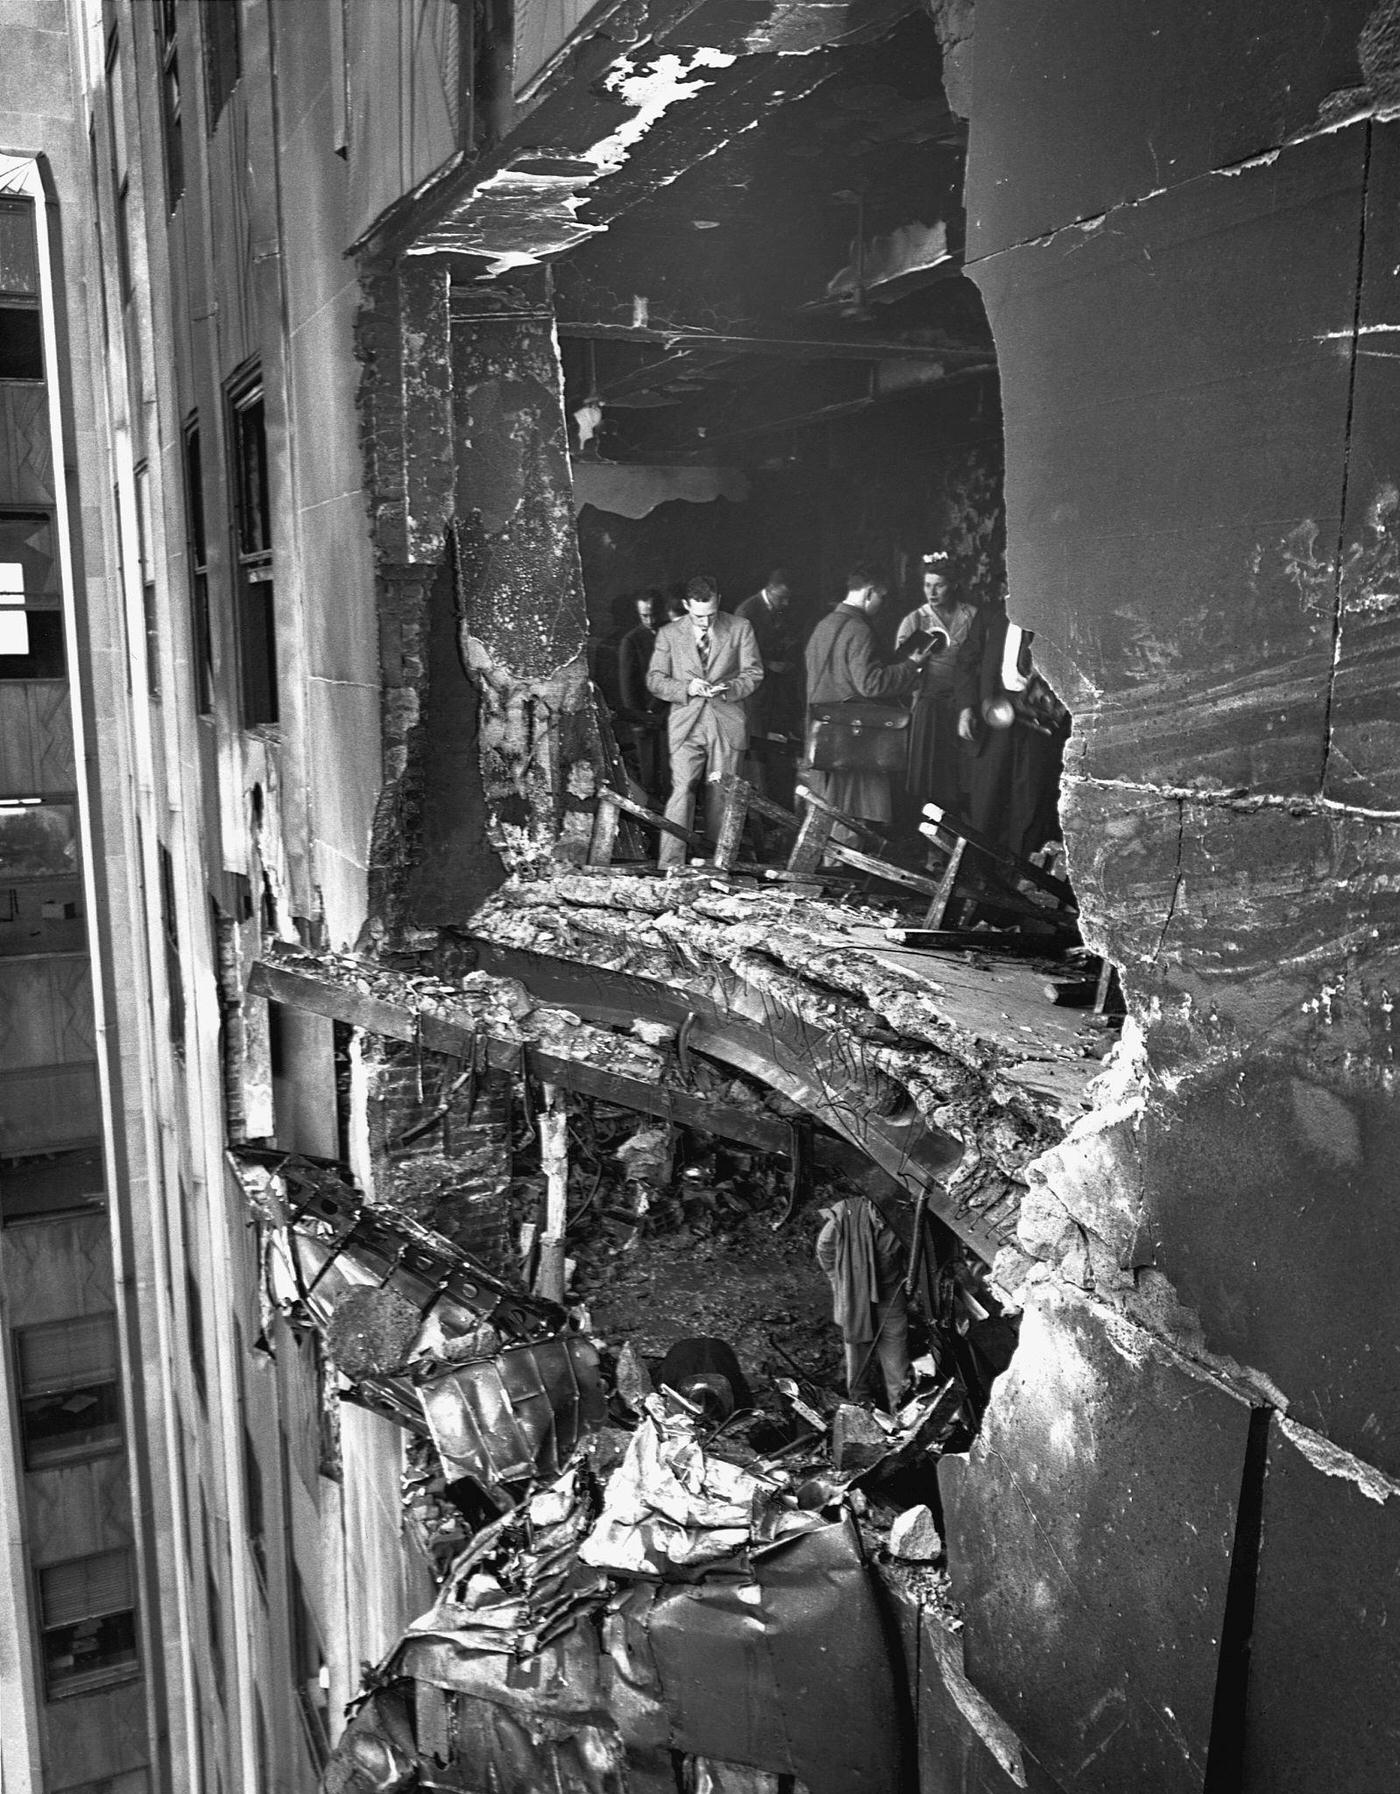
(858, 736)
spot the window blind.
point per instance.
(85, 1587)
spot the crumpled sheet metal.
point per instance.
(376, 1753)
(507, 1752)
(669, 1505)
(581, 1716)
(517, 1586)
(518, 1415)
(790, 1669)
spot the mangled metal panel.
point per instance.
(502, 1413)
(787, 1668)
(517, 1415)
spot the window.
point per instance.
(68, 1401)
(221, 55)
(48, 1185)
(21, 328)
(201, 635)
(194, 1303)
(174, 977)
(253, 553)
(167, 18)
(31, 623)
(87, 1616)
(121, 186)
(38, 839)
(253, 1495)
(146, 563)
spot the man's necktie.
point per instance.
(702, 647)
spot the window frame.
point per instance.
(251, 528)
(128, 1669)
(81, 1453)
(197, 547)
(170, 934)
(23, 301)
(32, 603)
(223, 57)
(167, 23)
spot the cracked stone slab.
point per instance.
(1363, 747)
(1324, 1688)
(1172, 92)
(1090, 1532)
(1271, 1213)
(1184, 602)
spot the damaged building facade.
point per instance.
(359, 362)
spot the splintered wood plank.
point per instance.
(643, 814)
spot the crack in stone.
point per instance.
(1242, 802)
(1337, 603)
(1176, 879)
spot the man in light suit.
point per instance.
(704, 665)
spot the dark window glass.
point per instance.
(253, 546)
(200, 630)
(43, 1186)
(37, 839)
(43, 655)
(253, 1492)
(174, 976)
(26, 540)
(31, 629)
(166, 21)
(124, 242)
(68, 1402)
(221, 55)
(21, 343)
(146, 563)
(194, 1301)
(116, 146)
(88, 1623)
(19, 255)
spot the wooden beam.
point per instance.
(939, 818)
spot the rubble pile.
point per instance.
(653, 1570)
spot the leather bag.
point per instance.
(858, 736)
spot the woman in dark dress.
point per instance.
(936, 758)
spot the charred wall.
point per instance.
(480, 595)
(1184, 232)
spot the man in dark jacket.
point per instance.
(641, 716)
(775, 709)
(843, 662)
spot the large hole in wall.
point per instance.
(705, 1267)
(773, 363)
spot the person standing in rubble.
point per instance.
(864, 1263)
(936, 756)
(641, 716)
(775, 709)
(704, 665)
(844, 665)
(1015, 729)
